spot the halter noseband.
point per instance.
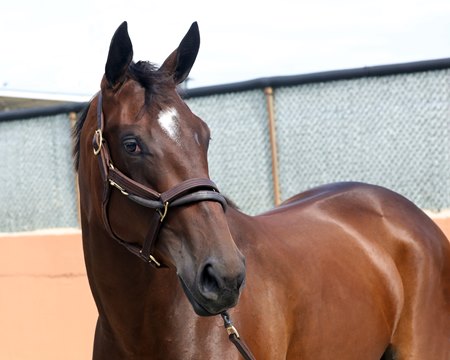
(186, 192)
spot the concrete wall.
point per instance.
(46, 308)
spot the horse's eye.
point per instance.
(131, 146)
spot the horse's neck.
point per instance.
(243, 228)
(129, 293)
(137, 301)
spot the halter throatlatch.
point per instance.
(187, 192)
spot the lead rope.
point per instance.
(234, 337)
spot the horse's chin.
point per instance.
(199, 309)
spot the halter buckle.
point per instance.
(151, 259)
(117, 186)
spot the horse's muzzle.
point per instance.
(215, 289)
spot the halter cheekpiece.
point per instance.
(186, 192)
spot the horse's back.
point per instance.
(359, 252)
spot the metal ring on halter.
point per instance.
(164, 212)
(98, 136)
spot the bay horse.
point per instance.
(342, 271)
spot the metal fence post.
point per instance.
(268, 91)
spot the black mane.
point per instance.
(155, 83)
(76, 134)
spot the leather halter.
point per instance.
(186, 192)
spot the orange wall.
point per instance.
(46, 308)
(444, 224)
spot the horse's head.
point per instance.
(156, 141)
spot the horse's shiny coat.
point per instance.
(344, 271)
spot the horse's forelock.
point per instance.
(155, 83)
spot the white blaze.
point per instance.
(169, 122)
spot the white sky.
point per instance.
(61, 46)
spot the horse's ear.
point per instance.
(180, 62)
(120, 56)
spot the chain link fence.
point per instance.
(390, 128)
(239, 153)
(36, 174)
(392, 131)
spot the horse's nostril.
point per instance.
(219, 284)
(209, 284)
